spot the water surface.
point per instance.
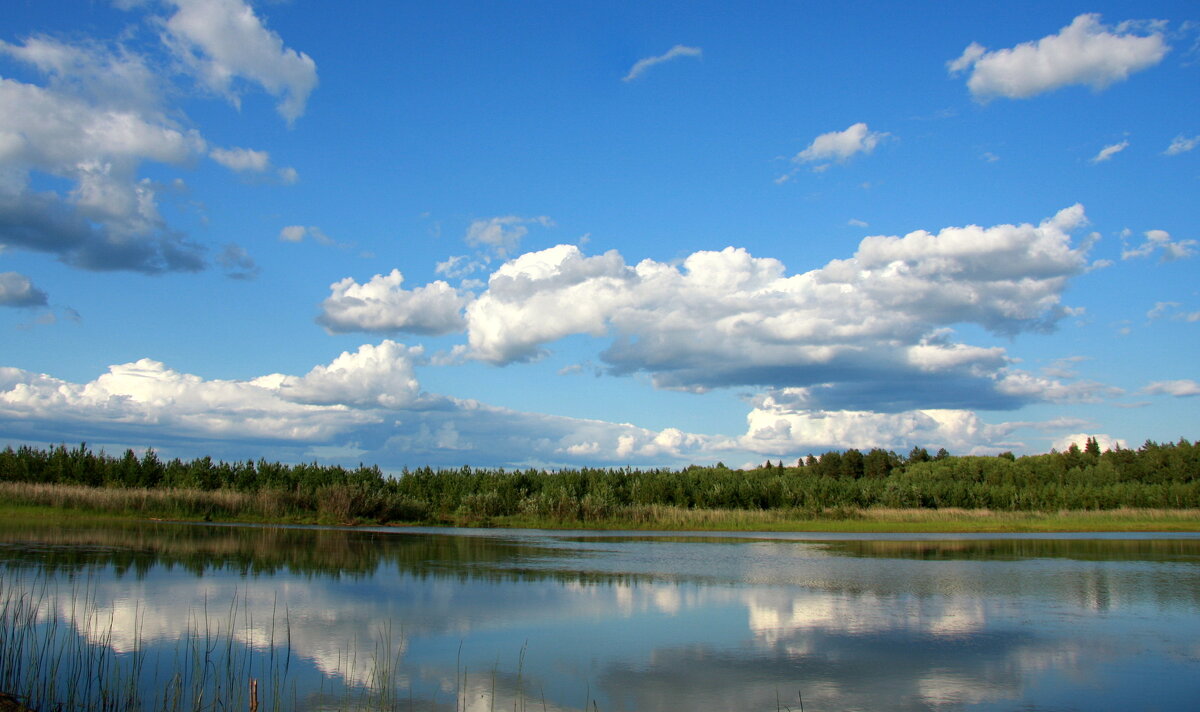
(488, 619)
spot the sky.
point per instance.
(559, 234)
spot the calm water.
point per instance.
(562, 620)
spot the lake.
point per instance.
(454, 619)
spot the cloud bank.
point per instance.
(855, 327)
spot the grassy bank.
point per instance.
(884, 520)
(45, 503)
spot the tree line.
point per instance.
(1156, 475)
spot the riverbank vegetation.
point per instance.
(1156, 486)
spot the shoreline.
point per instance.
(671, 519)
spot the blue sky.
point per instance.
(561, 234)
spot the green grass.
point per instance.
(23, 501)
(881, 520)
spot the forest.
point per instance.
(1154, 476)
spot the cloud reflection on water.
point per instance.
(656, 625)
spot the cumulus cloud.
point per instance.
(841, 145)
(639, 68)
(1182, 144)
(1085, 52)
(874, 325)
(1180, 389)
(1158, 241)
(518, 312)
(1104, 440)
(328, 400)
(502, 234)
(383, 305)
(17, 291)
(374, 376)
(776, 427)
(223, 40)
(1108, 152)
(146, 396)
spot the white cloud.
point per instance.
(17, 291)
(368, 405)
(293, 233)
(543, 296)
(502, 234)
(855, 222)
(1182, 144)
(109, 219)
(646, 63)
(1109, 151)
(1180, 389)
(1085, 52)
(1104, 440)
(873, 324)
(458, 266)
(146, 396)
(222, 40)
(367, 402)
(297, 233)
(841, 145)
(383, 305)
(242, 160)
(328, 401)
(776, 428)
(112, 77)
(1030, 387)
(1160, 240)
(102, 113)
(374, 376)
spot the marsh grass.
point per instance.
(875, 519)
(62, 650)
(174, 503)
(287, 507)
